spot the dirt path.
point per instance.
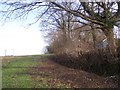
(68, 76)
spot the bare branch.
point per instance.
(79, 14)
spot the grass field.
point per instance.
(11, 69)
(39, 71)
(17, 73)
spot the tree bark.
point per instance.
(93, 35)
(111, 41)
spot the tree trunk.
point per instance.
(93, 35)
(111, 41)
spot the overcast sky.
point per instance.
(18, 40)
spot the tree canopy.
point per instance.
(104, 15)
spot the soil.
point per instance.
(75, 78)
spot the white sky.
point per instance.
(17, 40)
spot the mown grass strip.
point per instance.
(11, 77)
(18, 72)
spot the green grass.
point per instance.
(15, 73)
(11, 70)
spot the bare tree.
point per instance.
(105, 14)
(20, 9)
